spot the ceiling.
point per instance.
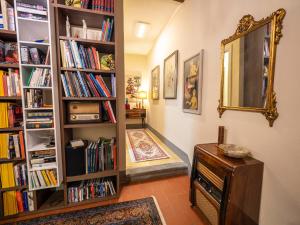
(155, 12)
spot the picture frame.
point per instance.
(170, 76)
(155, 83)
(192, 84)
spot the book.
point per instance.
(43, 178)
(11, 52)
(11, 115)
(10, 83)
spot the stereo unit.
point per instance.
(223, 190)
(84, 112)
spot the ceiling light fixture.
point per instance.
(141, 28)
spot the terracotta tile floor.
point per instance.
(172, 195)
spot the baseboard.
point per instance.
(172, 146)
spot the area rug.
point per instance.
(138, 212)
(143, 147)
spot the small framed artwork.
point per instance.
(170, 76)
(155, 77)
(192, 87)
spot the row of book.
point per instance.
(39, 119)
(15, 202)
(100, 5)
(10, 83)
(43, 158)
(39, 77)
(76, 84)
(33, 55)
(43, 178)
(8, 52)
(32, 11)
(12, 145)
(11, 115)
(13, 175)
(85, 190)
(101, 155)
(7, 16)
(74, 55)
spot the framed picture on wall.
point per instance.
(192, 87)
(155, 77)
(170, 76)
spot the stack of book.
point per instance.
(43, 119)
(17, 202)
(32, 55)
(34, 98)
(43, 178)
(91, 189)
(101, 155)
(39, 78)
(11, 115)
(100, 5)
(87, 85)
(43, 158)
(74, 55)
(10, 83)
(13, 175)
(8, 52)
(7, 19)
(31, 11)
(12, 146)
(107, 30)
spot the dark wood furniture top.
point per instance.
(241, 181)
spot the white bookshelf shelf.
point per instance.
(36, 65)
(29, 30)
(32, 20)
(44, 88)
(40, 147)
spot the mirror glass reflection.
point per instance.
(246, 69)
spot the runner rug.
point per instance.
(142, 147)
(138, 212)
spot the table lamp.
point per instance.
(142, 95)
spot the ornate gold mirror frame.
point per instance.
(246, 25)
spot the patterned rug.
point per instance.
(138, 212)
(143, 147)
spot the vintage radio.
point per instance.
(84, 112)
(225, 191)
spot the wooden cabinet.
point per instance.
(136, 114)
(224, 190)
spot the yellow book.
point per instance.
(50, 177)
(10, 203)
(1, 83)
(4, 146)
(11, 175)
(48, 183)
(3, 115)
(54, 181)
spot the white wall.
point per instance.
(203, 24)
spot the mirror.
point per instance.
(248, 62)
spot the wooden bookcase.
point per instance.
(91, 131)
(56, 197)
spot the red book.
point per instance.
(94, 51)
(19, 201)
(91, 58)
(92, 85)
(110, 111)
(103, 85)
(4, 80)
(22, 145)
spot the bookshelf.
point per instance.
(40, 100)
(107, 129)
(56, 197)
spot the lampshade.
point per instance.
(142, 94)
